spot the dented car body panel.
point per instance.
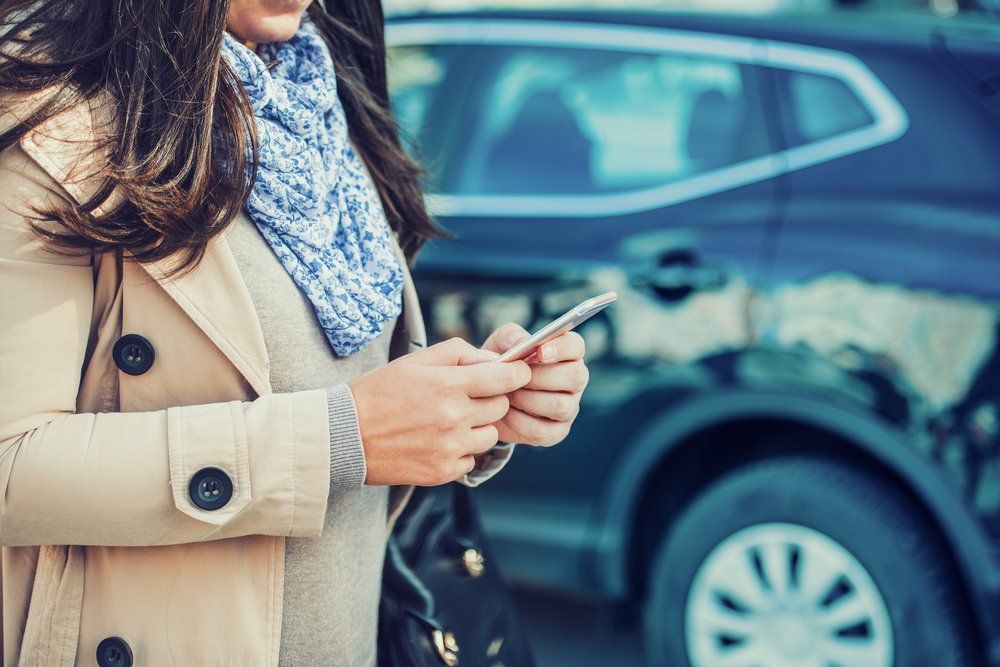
(837, 271)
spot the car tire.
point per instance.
(807, 518)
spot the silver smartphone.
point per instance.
(567, 322)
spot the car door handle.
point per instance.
(683, 278)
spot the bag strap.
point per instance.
(404, 584)
(465, 517)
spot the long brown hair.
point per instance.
(177, 154)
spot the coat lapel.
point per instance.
(215, 297)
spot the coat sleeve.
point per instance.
(123, 479)
(489, 464)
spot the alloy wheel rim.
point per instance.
(784, 595)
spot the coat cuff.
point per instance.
(489, 464)
(347, 454)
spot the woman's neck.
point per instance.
(253, 46)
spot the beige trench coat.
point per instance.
(93, 457)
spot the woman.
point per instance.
(201, 290)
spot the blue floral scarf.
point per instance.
(313, 200)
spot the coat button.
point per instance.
(114, 652)
(133, 354)
(210, 489)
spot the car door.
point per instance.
(584, 158)
(884, 295)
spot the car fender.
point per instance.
(970, 543)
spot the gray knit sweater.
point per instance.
(332, 582)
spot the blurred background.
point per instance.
(789, 453)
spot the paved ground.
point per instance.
(566, 633)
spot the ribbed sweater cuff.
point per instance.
(347, 454)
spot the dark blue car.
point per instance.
(789, 453)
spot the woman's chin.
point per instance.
(261, 21)
(278, 28)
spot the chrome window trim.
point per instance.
(890, 119)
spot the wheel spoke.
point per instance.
(719, 620)
(775, 557)
(845, 612)
(816, 578)
(735, 575)
(745, 587)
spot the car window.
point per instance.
(418, 84)
(819, 107)
(579, 121)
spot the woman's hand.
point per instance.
(424, 416)
(543, 411)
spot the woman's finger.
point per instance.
(536, 431)
(489, 410)
(568, 347)
(570, 376)
(558, 406)
(483, 439)
(505, 337)
(464, 466)
(492, 379)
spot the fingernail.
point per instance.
(545, 353)
(490, 355)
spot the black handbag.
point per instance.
(443, 599)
